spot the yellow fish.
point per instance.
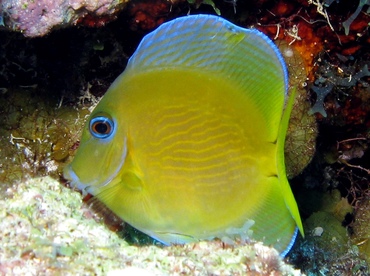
(188, 142)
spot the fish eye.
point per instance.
(101, 127)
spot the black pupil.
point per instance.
(101, 128)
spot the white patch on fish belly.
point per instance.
(243, 233)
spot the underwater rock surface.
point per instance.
(36, 135)
(37, 18)
(45, 231)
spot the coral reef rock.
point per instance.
(37, 18)
(45, 232)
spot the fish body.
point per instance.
(188, 142)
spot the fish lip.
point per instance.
(74, 180)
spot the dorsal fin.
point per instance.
(209, 43)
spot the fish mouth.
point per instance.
(74, 180)
(86, 188)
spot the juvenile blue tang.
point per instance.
(188, 142)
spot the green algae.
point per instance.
(361, 228)
(327, 243)
(36, 134)
(300, 143)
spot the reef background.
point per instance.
(50, 81)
